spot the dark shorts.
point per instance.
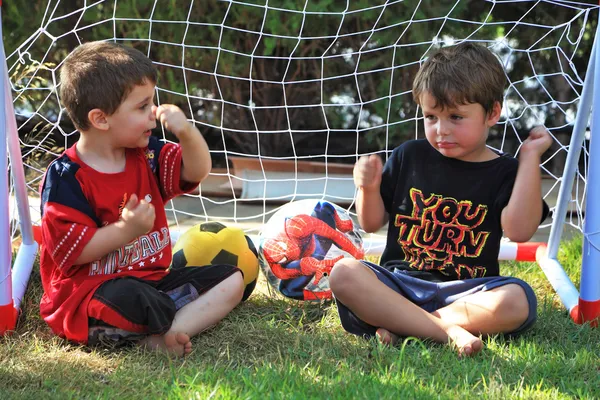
(125, 310)
(431, 296)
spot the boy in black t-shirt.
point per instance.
(447, 200)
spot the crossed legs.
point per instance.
(502, 309)
(197, 316)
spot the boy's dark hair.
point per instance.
(462, 74)
(100, 75)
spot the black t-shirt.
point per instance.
(444, 213)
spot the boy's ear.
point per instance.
(98, 119)
(494, 115)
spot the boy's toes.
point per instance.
(477, 345)
(182, 338)
(466, 351)
(187, 348)
(176, 342)
(386, 337)
(471, 348)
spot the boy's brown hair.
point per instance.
(463, 74)
(100, 75)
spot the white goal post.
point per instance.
(290, 94)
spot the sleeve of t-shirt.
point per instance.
(68, 220)
(65, 233)
(389, 178)
(165, 161)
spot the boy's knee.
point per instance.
(345, 275)
(514, 301)
(236, 286)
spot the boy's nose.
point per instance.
(443, 129)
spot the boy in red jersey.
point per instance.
(106, 248)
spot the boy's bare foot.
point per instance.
(386, 337)
(176, 343)
(466, 344)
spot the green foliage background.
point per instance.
(238, 54)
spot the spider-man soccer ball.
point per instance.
(300, 244)
(212, 243)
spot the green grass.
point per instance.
(270, 347)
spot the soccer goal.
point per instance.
(290, 93)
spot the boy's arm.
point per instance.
(371, 212)
(104, 241)
(195, 156)
(523, 213)
(137, 219)
(369, 204)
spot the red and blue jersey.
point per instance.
(77, 201)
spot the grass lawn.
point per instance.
(270, 347)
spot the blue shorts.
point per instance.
(431, 296)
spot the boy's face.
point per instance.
(131, 125)
(459, 132)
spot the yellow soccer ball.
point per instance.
(212, 243)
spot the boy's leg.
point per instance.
(211, 307)
(204, 296)
(128, 309)
(499, 305)
(357, 287)
(124, 310)
(499, 310)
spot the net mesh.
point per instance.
(289, 94)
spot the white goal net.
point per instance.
(290, 93)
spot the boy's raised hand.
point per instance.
(172, 118)
(537, 143)
(138, 216)
(367, 172)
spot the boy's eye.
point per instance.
(457, 117)
(430, 117)
(143, 107)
